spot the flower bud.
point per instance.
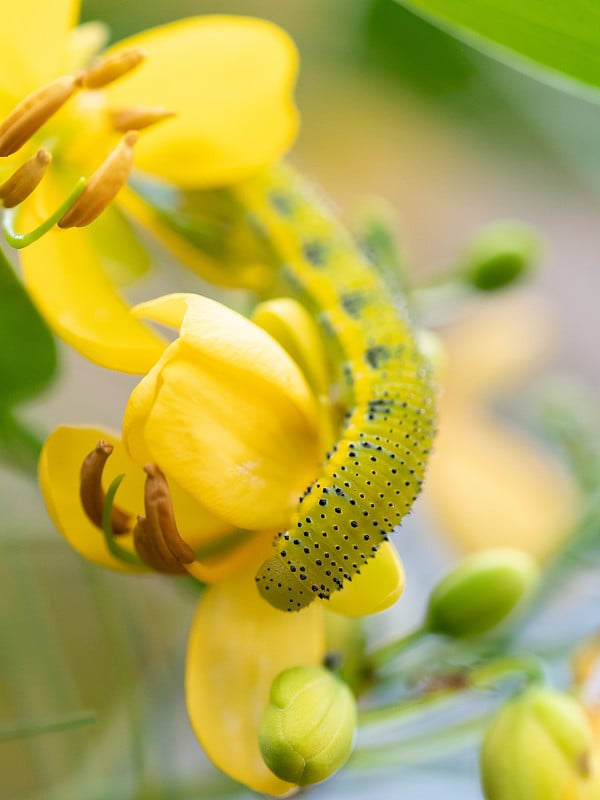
(539, 748)
(307, 730)
(480, 592)
(499, 255)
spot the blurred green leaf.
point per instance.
(563, 39)
(27, 364)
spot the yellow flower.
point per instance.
(238, 430)
(212, 99)
(488, 483)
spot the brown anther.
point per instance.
(107, 70)
(153, 551)
(91, 492)
(22, 182)
(138, 117)
(103, 186)
(35, 110)
(160, 517)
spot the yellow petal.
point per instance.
(229, 81)
(65, 278)
(59, 474)
(237, 552)
(379, 585)
(238, 645)
(290, 324)
(226, 413)
(495, 346)
(491, 486)
(33, 43)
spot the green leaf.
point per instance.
(560, 39)
(27, 365)
(28, 354)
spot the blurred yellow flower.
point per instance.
(220, 89)
(237, 429)
(488, 483)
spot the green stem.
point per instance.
(382, 656)
(65, 723)
(405, 710)
(425, 747)
(112, 545)
(489, 674)
(21, 240)
(481, 677)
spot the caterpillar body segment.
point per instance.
(372, 475)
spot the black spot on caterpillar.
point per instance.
(371, 477)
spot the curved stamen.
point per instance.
(153, 551)
(91, 491)
(155, 537)
(103, 185)
(138, 117)
(109, 69)
(35, 110)
(20, 240)
(22, 182)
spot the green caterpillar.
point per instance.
(373, 474)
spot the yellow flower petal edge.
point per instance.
(380, 583)
(238, 644)
(229, 81)
(66, 280)
(59, 477)
(218, 333)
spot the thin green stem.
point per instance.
(383, 655)
(407, 709)
(489, 674)
(37, 728)
(113, 546)
(424, 747)
(21, 240)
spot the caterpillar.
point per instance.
(372, 475)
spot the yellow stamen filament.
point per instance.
(91, 492)
(137, 118)
(103, 186)
(156, 538)
(32, 112)
(109, 69)
(22, 182)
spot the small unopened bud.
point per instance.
(480, 592)
(103, 186)
(500, 255)
(137, 118)
(539, 747)
(22, 182)
(33, 111)
(307, 730)
(109, 69)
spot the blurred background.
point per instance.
(393, 108)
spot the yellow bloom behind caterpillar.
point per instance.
(211, 98)
(488, 483)
(229, 432)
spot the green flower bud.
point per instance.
(539, 748)
(480, 592)
(499, 255)
(307, 730)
